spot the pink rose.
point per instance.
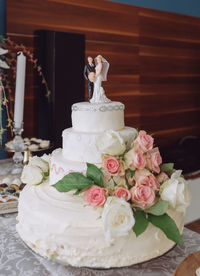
(139, 161)
(162, 177)
(135, 159)
(141, 174)
(122, 192)
(154, 160)
(113, 166)
(152, 182)
(95, 196)
(142, 195)
(144, 141)
(144, 177)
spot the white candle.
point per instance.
(19, 90)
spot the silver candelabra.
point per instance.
(18, 146)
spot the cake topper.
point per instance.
(90, 67)
(96, 77)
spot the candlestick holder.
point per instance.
(18, 146)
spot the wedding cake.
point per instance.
(105, 199)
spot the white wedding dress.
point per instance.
(99, 93)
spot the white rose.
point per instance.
(117, 218)
(46, 157)
(32, 175)
(110, 142)
(175, 191)
(39, 162)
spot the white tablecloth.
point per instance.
(16, 259)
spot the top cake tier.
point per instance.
(97, 117)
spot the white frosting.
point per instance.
(97, 117)
(59, 166)
(61, 227)
(81, 146)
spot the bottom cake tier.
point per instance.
(61, 227)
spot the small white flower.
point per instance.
(3, 51)
(3, 64)
(175, 191)
(110, 142)
(32, 175)
(39, 162)
(117, 218)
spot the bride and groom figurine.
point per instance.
(95, 74)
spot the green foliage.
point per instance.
(168, 226)
(141, 222)
(131, 173)
(73, 181)
(95, 174)
(159, 208)
(79, 182)
(168, 168)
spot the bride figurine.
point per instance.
(101, 70)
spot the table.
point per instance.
(5, 166)
(16, 259)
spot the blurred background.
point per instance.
(154, 65)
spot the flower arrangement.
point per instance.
(36, 171)
(132, 188)
(7, 80)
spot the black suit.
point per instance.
(87, 70)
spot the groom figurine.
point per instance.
(90, 67)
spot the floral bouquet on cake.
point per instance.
(131, 188)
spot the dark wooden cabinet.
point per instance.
(61, 56)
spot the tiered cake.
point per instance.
(105, 199)
(79, 142)
(62, 226)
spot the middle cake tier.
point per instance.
(81, 146)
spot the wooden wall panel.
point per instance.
(154, 57)
(169, 51)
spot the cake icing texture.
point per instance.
(81, 146)
(97, 117)
(60, 227)
(105, 199)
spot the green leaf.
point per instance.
(131, 172)
(141, 222)
(95, 174)
(77, 192)
(168, 168)
(159, 208)
(127, 184)
(168, 226)
(73, 181)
